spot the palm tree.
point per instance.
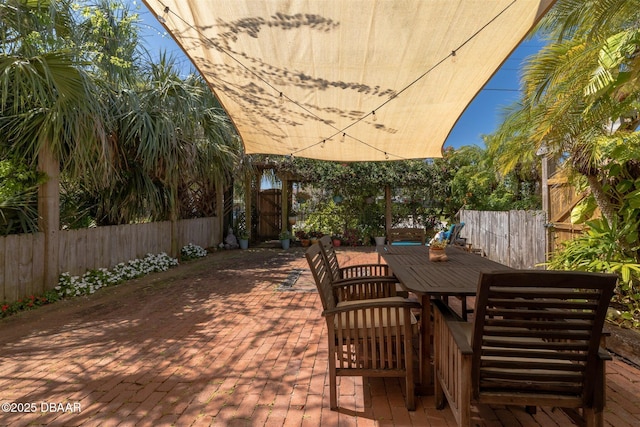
(567, 104)
(175, 148)
(49, 113)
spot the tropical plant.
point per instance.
(580, 106)
(48, 98)
(18, 194)
(76, 82)
(598, 250)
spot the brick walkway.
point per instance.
(225, 341)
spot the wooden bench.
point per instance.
(407, 235)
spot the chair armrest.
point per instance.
(372, 303)
(603, 354)
(365, 288)
(455, 325)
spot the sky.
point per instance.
(481, 117)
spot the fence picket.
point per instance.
(3, 283)
(25, 260)
(11, 270)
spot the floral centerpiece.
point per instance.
(438, 244)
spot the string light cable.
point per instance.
(338, 131)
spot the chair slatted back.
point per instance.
(369, 288)
(537, 333)
(454, 234)
(321, 275)
(331, 257)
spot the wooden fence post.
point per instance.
(248, 181)
(387, 211)
(219, 237)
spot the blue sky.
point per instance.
(481, 117)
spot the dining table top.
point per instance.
(456, 276)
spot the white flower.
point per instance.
(93, 280)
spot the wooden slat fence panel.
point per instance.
(162, 237)
(513, 238)
(37, 264)
(22, 255)
(200, 231)
(11, 270)
(527, 245)
(21, 266)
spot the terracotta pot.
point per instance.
(337, 242)
(437, 255)
(305, 242)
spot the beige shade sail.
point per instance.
(347, 80)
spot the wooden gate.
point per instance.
(563, 197)
(269, 213)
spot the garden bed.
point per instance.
(624, 342)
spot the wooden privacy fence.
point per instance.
(516, 238)
(22, 256)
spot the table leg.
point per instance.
(426, 368)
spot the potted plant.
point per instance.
(314, 236)
(285, 239)
(303, 237)
(378, 234)
(437, 250)
(302, 197)
(352, 237)
(336, 239)
(243, 239)
(292, 218)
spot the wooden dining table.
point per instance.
(456, 277)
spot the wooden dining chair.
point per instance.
(384, 285)
(535, 341)
(339, 272)
(367, 337)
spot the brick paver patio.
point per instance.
(225, 340)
